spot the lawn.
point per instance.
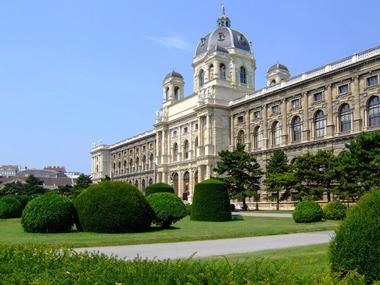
(11, 232)
(269, 211)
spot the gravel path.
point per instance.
(207, 248)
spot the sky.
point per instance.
(75, 72)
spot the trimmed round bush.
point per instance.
(357, 242)
(24, 199)
(48, 213)
(335, 210)
(10, 207)
(211, 202)
(113, 207)
(307, 212)
(158, 188)
(167, 207)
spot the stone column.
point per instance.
(248, 131)
(330, 117)
(284, 125)
(232, 130)
(216, 69)
(357, 126)
(306, 121)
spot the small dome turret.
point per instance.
(277, 73)
(173, 87)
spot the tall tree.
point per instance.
(241, 173)
(279, 176)
(33, 185)
(359, 166)
(13, 188)
(82, 182)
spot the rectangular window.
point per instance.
(317, 96)
(240, 119)
(295, 103)
(275, 109)
(257, 115)
(343, 89)
(372, 81)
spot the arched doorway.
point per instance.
(143, 185)
(175, 182)
(186, 182)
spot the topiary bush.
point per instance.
(167, 207)
(211, 202)
(357, 242)
(10, 207)
(113, 207)
(307, 212)
(335, 210)
(24, 199)
(158, 188)
(48, 213)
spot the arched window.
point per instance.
(273, 82)
(167, 94)
(175, 182)
(125, 164)
(130, 165)
(151, 161)
(319, 124)
(296, 129)
(176, 93)
(186, 149)
(243, 75)
(222, 68)
(201, 78)
(374, 112)
(137, 183)
(143, 185)
(276, 133)
(144, 162)
(97, 168)
(196, 146)
(240, 137)
(293, 161)
(258, 136)
(175, 152)
(345, 118)
(150, 181)
(186, 182)
(137, 163)
(211, 72)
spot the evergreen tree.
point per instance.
(241, 173)
(13, 188)
(33, 185)
(82, 182)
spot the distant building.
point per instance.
(8, 170)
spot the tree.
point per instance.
(66, 190)
(83, 181)
(33, 185)
(241, 173)
(279, 176)
(13, 188)
(359, 166)
(106, 178)
(315, 175)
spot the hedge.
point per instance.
(10, 207)
(48, 213)
(357, 242)
(307, 212)
(113, 207)
(211, 202)
(335, 210)
(158, 188)
(167, 207)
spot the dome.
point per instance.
(278, 66)
(222, 38)
(173, 74)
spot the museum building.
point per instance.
(320, 109)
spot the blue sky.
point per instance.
(73, 72)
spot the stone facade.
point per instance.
(324, 108)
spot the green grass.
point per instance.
(308, 260)
(269, 211)
(12, 233)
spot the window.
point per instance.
(186, 149)
(185, 129)
(296, 129)
(201, 78)
(273, 82)
(151, 160)
(222, 71)
(211, 72)
(240, 119)
(295, 103)
(243, 75)
(374, 112)
(258, 137)
(372, 81)
(240, 137)
(343, 89)
(196, 126)
(275, 109)
(175, 152)
(174, 133)
(276, 133)
(345, 118)
(257, 115)
(176, 93)
(317, 96)
(167, 94)
(319, 124)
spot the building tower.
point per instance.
(277, 73)
(173, 86)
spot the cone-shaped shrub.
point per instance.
(357, 242)
(211, 202)
(307, 212)
(113, 207)
(335, 210)
(48, 213)
(158, 188)
(10, 207)
(167, 207)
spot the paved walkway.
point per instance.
(213, 247)
(269, 215)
